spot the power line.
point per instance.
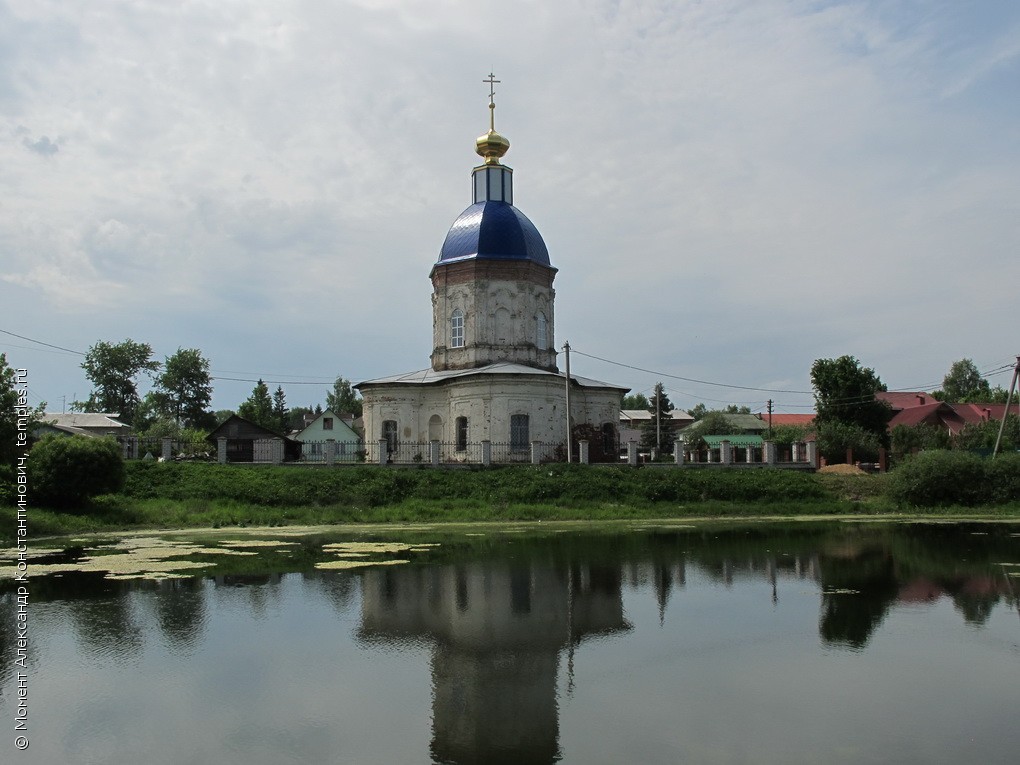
(40, 342)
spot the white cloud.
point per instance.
(729, 189)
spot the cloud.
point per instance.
(731, 188)
(43, 146)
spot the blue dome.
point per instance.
(494, 231)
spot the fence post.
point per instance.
(330, 451)
(797, 451)
(133, 448)
(678, 451)
(725, 452)
(632, 453)
(883, 459)
(812, 453)
(278, 451)
(434, 452)
(536, 452)
(770, 452)
(486, 453)
(167, 448)
(221, 450)
(582, 448)
(383, 454)
(749, 454)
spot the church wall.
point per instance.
(488, 401)
(500, 303)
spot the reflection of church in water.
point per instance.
(498, 633)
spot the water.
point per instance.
(726, 643)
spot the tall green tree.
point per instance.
(663, 436)
(10, 411)
(635, 401)
(113, 370)
(845, 393)
(964, 383)
(184, 388)
(280, 419)
(343, 398)
(258, 407)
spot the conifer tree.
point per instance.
(258, 407)
(663, 435)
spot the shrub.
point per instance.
(939, 478)
(67, 471)
(1004, 478)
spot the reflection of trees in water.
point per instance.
(8, 638)
(259, 591)
(180, 607)
(860, 592)
(106, 624)
(337, 587)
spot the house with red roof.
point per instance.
(919, 408)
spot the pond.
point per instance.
(794, 642)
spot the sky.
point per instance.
(729, 189)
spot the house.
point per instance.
(493, 374)
(323, 428)
(91, 424)
(633, 422)
(248, 442)
(919, 408)
(739, 424)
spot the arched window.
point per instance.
(520, 437)
(457, 329)
(609, 443)
(389, 432)
(541, 332)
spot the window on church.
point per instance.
(457, 329)
(520, 438)
(541, 332)
(609, 445)
(389, 432)
(462, 433)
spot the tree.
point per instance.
(280, 420)
(698, 411)
(67, 471)
(343, 398)
(845, 394)
(835, 438)
(184, 389)
(12, 406)
(660, 437)
(963, 384)
(258, 407)
(113, 369)
(635, 401)
(734, 409)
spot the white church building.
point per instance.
(494, 375)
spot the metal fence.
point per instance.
(439, 453)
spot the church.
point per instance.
(493, 375)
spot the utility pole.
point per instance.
(1005, 413)
(570, 440)
(770, 419)
(658, 431)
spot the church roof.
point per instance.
(430, 376)
(493, 230)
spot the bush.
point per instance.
(1004, 478)
(68, 471)
(939, 478)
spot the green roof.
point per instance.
(735, 440)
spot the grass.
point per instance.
(162, 496)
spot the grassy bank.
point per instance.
(204, 495)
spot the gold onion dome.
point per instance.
(492, 146)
